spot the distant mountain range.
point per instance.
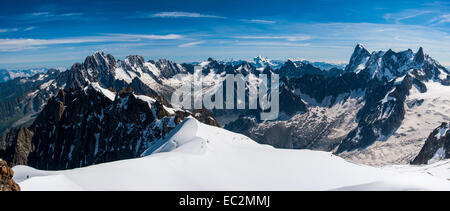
(261, 62)
(377, 110)
(6, 75)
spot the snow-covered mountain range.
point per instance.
(6, 75)
(24, 97)
(261, 63)
(378, 110)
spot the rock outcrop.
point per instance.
(15, 145)
(6, 178)
(437, 146)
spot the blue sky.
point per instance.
(59, 33)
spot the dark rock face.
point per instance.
(297, 69)
(82, 127)
(168, 68)
(6, 178)
(318, 86)
(290, 103)
(437, 146)
(278, 136)
(378, 119)
(242, 125)
(202, 115)
(419, 58)
(392, 62)
(218, 68)
(15, 145)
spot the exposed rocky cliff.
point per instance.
(437, 146)
(6, 178)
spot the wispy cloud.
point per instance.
(406, 14)
(259, 21)
(151, 36)
(29, 28)
(445, 18)
(45, 16)
(183, 15)
(379, 36)
(53, 15)
(437, 3)
(25, 44)
(434, 13)
(272, 44)
(191, 44)
(291, 38)
(9, 45)
(9, 30)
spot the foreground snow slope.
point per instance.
(201, 157)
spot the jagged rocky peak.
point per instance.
(388, 65)
(261, 61)
(437, 146)
(135, 60)
(246, 68)
(396, 64)
(358, 59)
(168, 68)
(163, 63)
(400, 57)
(360, 49)
(100, 59)
(420, 56)
(289, 64)
(212, 63)
(392, 76)
(99, 66)
(297, 69)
